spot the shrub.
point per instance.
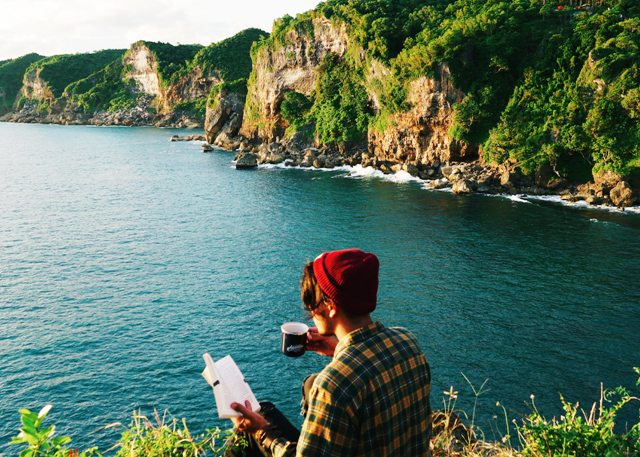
(165, 438)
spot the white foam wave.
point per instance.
(581, 204)
(400, 177)
(514, 198)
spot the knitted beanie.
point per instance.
(350, 278)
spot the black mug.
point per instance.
(294, 338)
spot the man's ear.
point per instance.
(331, 309)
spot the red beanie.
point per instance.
(350, 278)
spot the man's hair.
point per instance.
(312, 295)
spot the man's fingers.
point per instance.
(244, 410)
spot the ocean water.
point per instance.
(123, 257)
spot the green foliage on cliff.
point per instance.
(542, 82)
(229, 59)
(11, 74)
(60, 71)
(196, 108)
(104, 90)
(171, 60)
(295, 109)
(379, 26)
(341, 110)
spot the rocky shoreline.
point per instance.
(607, 189)
(135, 117)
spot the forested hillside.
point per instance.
(542, 83)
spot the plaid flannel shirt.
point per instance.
(371, 400)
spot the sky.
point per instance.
(51, 27)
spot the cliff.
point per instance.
(149, 84)
(500, 97)
(11, 75)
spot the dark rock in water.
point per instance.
(247, 160)
(207, 147)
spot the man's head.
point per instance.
(344, 281)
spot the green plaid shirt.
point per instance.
(371, 400)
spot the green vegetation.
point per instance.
(11, 74)
(545, 82)
(171, 60)
(60, 71)
(229, 59)
(197, 107)
(105, 90)
(295, 109)
(143, 438)
(594, 432)
(341, 110)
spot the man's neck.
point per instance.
(345, 326)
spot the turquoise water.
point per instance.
(123, 257)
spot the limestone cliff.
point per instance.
(290, 65)
(142, 68)
(35, 88)
(419, 135)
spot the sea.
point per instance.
(124, 257)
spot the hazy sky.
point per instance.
(51, 27)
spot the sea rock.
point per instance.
(246, 160)
(411, 169)
(437, 184)
(319, 162)
(462, 186)
(207, 147)
(622, 195)
(274, 158)
(187, 138)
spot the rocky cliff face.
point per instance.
(417, 136)
(224, 118)
(420, 135)
(288, 66)
(35, 88)
(194, 85)
(143, 69)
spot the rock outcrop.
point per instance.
(224, 117)
(420, 135)
(289, 66)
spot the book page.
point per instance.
(228, 385)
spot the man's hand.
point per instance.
(249, 422)
(322, 344)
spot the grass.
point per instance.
(578, 432)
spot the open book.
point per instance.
(228, 385)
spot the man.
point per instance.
(372, 399)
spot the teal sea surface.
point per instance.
(124, 257)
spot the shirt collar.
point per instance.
(358, 336)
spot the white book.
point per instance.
(228, 385)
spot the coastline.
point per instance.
(457, 177)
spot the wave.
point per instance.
(401, 177)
